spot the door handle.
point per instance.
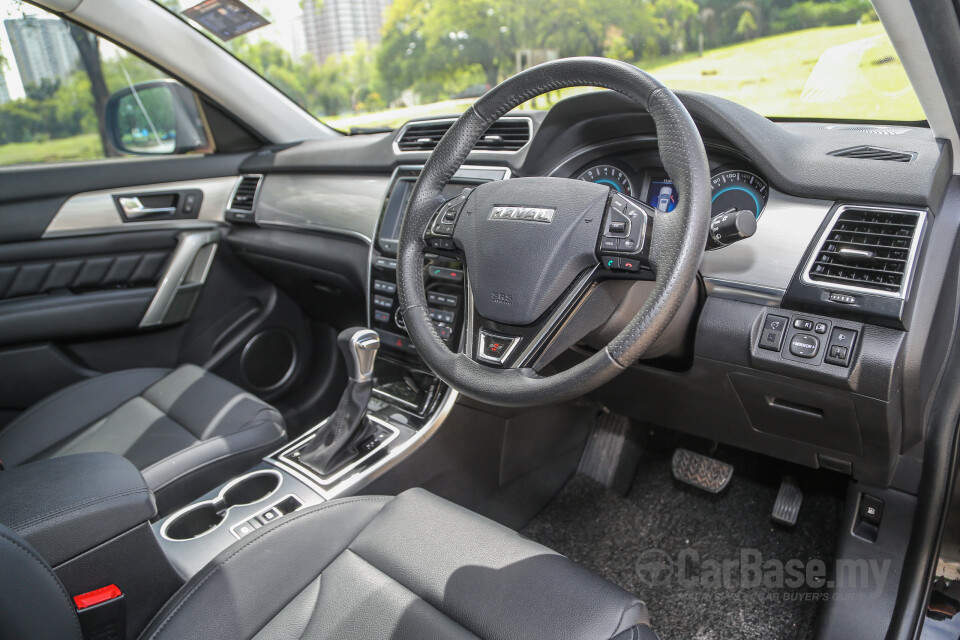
(133, 208)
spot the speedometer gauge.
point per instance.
(610, 176)
(738, 190)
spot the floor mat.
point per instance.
(667, 542)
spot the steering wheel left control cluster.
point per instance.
(627, 227)
(440, 233)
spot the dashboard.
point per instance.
(806, 335)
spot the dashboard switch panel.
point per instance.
(805, 345)
(771, 336)
(840, 346)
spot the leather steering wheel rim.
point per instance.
(680, 236)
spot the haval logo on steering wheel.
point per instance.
(531, 214)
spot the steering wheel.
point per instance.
(532, 246)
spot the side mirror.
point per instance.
(155, 118)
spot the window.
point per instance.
(56, 82)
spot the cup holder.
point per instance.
(202, 518)
(250, 489)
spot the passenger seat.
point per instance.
(187, 430)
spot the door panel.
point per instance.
(85, 289)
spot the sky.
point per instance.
(280, 12)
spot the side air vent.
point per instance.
(506, 134)
(246, 194)
(867, 152)
(867, 249)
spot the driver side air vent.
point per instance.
(868, 249)
(867, 152)
(246, 194)
(506, 134)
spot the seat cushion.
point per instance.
(414, 566)
(187, 430)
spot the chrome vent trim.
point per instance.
(867, 152)
(244, 196)
(866, 249)
(506, 135)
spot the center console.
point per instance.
(405, 402)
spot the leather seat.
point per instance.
(410, 567)
(187, 430)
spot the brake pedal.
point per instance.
(701, 471)
(787, 507)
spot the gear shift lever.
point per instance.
(335, 445)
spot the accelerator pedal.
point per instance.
(701, 471)
(612, 453)
(787, 507)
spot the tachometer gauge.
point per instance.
(738, 190)
(609, 175)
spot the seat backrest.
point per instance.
(34, 603)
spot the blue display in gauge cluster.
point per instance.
(662, 195)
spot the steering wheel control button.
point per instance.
(443, 229)
(617, 227)
(609, 244)
(610, 262)
(629, 264)
(803, 325)
(495, 348)
(442, 273)
(771, 335)
(840, 346)
(444, 244)
(804, 345)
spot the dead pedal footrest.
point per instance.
(701, 471)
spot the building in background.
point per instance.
(42, 49)
(4, 90)
(293, 36)
(338, 25)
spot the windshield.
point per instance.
(375, 63)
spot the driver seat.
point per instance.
(410, 567)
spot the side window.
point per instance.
(67, 95)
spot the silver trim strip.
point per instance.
(580, 286)
(190, 244)
(403, 129)
(743, 291)
(196, 505)
(302, 440)
(378, 468)
(96, 212)
(904, 290)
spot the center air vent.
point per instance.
(867, 152)
(506, 134)
(867, 249)
(245, 194)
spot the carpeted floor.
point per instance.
(635, 541)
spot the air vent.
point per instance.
(869, 250)
(506, 134)
(246, 194)
(867, 152)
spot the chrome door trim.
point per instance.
(190, 244)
